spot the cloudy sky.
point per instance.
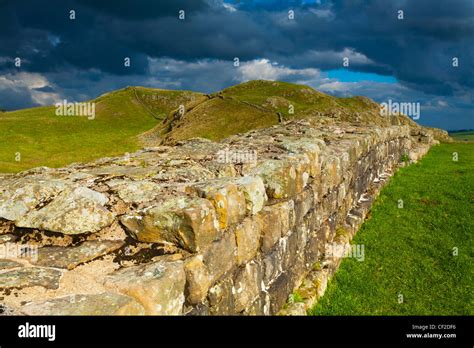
(405, 60)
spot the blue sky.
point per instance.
(357, 76)
(405, 60)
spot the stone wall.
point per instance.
(198, 228)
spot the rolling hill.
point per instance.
(133, 117)
(259, 104)
(44, 139)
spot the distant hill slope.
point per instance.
(258, 104)
(44, 139)
(465, 135)
(134, 117)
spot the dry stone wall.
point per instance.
(200, 228)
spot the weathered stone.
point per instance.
(135, 191)
(184, 171)
(273, 262)
(247, 284)
(277, 221)
(188, 222)
(73, 211)
(30, 276)
(8, 264)
(106, 303)
(133, 172)
(279, 291)
(220, 298)
(158, 287)
(228, 201)
(303, 203)
(294, 259)
(201, 309)
(9, 310)
(198, 279)
(279, 177)
(70, 257)
(310, 147)
(6, 227)
(331, 173)
(295, 309)
(221, 256)
(254, 192)
(257, 307)
(7, 238)
(302, 165)
(248, 239)
(19, 196)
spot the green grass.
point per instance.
(463, 136)
(44, 139)
(409, 251)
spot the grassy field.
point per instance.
(44, 139)
(409, 251)
(463, 136)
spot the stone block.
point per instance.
(198, 279)
(221, 299)
(185, 221)
(106, 303)
(277, 221)
(158, 286)
(25, 277)
(221, 256)
(248, 239)
(247, 283)
(229, 203)
(254, 192)
(279, 177)
(73, 211)
(70, 257)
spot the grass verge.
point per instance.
(418, 259)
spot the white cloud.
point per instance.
(323, 13)
(30, 82)
(229, 7)
(263, 69)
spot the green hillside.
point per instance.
(134, 117)
(258, 104)
(44, 139)
(463, 135)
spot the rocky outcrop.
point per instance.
(230, 227)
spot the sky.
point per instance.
(406, 56)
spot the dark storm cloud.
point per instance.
(15, 98)
(417, 50)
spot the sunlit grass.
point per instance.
(411, 251)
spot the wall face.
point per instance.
(200, 228)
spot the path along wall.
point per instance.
(198, 228)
